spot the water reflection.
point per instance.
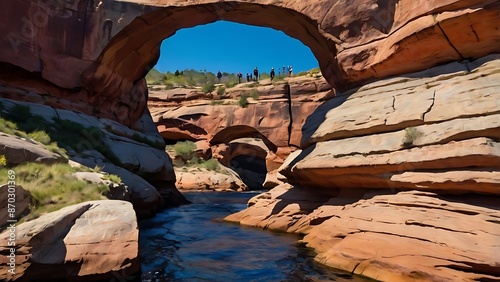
(191, 243)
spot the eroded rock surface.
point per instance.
(407, 236)
(440, 122)
(91, 240)
(111, 146)
(395, 187)
(109, 46)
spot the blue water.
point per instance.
(192, 243)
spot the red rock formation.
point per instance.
(89, 241)
(107, 50)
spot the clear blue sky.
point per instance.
(232, 48)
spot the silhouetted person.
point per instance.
(248, 77)
(239, 77)
(272, 74)
(290, 71)
(256, 74)
(107, 27)
(219, 76)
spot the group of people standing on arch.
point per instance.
(255, 75)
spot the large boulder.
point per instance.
(88, 241)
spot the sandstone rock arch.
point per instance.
(135, 49)
(241, 131)
(97, 52)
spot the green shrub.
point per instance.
(40, 136)
(221, 90)
(195, 160)
(255, 94)
(243, 101)
(184, 149)
(113, 178)
(211, 164)
(231, 84)
(208, 87)
(411, 135)
(9, 127)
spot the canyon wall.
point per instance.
(398, 174)
(399, 179)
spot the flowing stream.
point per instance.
(192, 243)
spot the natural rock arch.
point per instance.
(136, 48)
(68, 43)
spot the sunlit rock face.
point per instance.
(93, 54)
(363, 150)
(398, 179)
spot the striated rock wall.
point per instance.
(403, 132)
(251, 139)
(398, 180)
(189, 114)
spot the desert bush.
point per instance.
(221, 90)
(185, 149)
(40, 136)
(216, 102)
(211, 164)
(411, 135)
(208, 87)
(255, 94)
(113, 178)
(243, 101)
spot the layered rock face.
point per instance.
(399, 179)
(189, 114)
(107, 50)
(61, 244)
(438, 126)
(251, 139)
